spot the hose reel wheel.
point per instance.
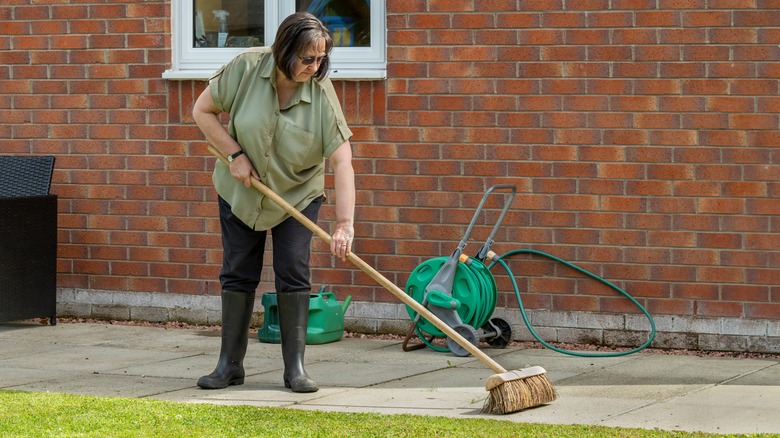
(501, 333)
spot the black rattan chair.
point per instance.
(28, 239)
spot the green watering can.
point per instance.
(326, 318)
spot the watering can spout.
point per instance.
(345, 304)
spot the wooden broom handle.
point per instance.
(365, 267)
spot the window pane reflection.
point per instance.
(349, 20)
(228, 23)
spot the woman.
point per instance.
(285, 119)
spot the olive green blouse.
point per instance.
(287, 146)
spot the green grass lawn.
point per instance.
(28, 414)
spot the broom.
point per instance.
(510, 391)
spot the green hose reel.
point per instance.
(473, 293)
(462, 292)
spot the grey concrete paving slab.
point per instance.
(672, 392)
(659, 369)
(11, 348)
(172, 341)
(769, 373)
(717, 409)
(186, 367)
(94, 358)
(70, 334)
(106, 385)
(449, 402)
(14, 378)
(361, 374)
(265, 390)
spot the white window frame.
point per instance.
(200, 63)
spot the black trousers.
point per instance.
(243, 250)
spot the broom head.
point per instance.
(516, 390)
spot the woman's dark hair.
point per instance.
(297, 33)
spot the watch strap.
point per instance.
(232, 157)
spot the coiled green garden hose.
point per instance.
(500, 260)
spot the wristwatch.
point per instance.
(232, 157)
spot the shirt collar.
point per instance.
(302, 93)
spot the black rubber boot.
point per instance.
(236, 317)
(293, 322)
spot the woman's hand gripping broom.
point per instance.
(509, 391)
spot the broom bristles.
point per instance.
(509, 394)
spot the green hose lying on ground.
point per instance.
(500, 261)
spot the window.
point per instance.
(208, 33)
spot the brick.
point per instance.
(765, 18)
(734, 36)
(707, 308)
(730, 104)
(562, 53)
(722, 138)
(765, 311)
(553, 186)
(660, 18)
(635, 69)
(661, 120)
(634, 272)
(572, 302)
(563, 19)
(746, 223)
(608, 120)
(626, 238)
(540, 5)
(402, 37)
(757, 53)
(705, 53)
(563, 119)
(624, 203)
(577, 136)
(681, 4)
(585, 103)
(576, 202)
(768, 105)
(589, 5)
(633, 4)
(88, 27)
(707, 18)
(625, 137)
(732, 69)
(611, 19)
(762, 276)
(753, 122)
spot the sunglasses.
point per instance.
(309, 60)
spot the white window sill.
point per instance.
(346, 74)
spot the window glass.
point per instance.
(228, 23)
(349, 20)
(198, 49)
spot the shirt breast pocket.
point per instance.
(298, 148)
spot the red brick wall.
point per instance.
(641, 134)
